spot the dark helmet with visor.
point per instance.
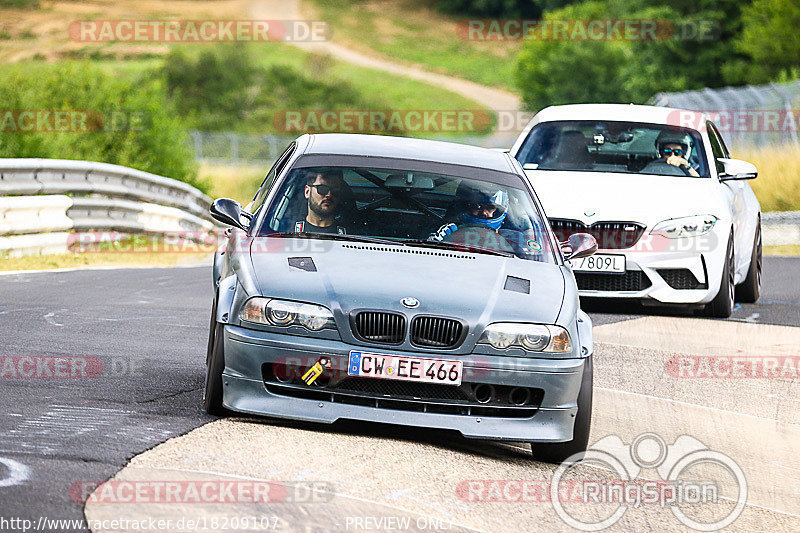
(471, 196)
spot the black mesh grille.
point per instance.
(632, 280)
(436, 332)
(402, 389)
(680, 278)
(609, 235)
(380, 326)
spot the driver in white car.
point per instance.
(673, 149)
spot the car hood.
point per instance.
(648, 199)
(351, 276)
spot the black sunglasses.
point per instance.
(671, 151)
(324, 190)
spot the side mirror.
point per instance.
(579, 245)
(736, 169)
(229, 212)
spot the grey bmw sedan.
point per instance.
(402, 281)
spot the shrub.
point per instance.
(130, 124)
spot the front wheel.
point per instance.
(212, 392)
(722, 304)
(750, 289)
(557, 452)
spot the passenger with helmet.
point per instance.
(673, 149)
(475, 205)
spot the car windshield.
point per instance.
(608, 146)
(409, 207)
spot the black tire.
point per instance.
(215, 364)
(557, 452)
(722, 304)
(750, 289)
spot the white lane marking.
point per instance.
(250, 478)
(18, 472)
(782, 397)
(78, 269)
(49, 318)
(717, 409)
(752, 319)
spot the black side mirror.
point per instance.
(229, 212)
(579, 245)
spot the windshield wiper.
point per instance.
(334, 237)
(457, 247)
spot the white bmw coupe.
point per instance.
(674, 216)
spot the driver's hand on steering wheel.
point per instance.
(680, 162)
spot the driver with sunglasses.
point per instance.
(674, 150)
(325, 192)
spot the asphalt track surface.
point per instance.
(144, 334)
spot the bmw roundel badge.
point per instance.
(411, 303)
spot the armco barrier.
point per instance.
(36, 215)
(781, 227)
(115, 198)
(62, 176)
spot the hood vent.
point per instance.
(518, 285)
(404, 250)
(302, 263)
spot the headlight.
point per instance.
(685, 226)
(284, 313)
(531, 337)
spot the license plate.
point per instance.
(599, 263)
(375, 365)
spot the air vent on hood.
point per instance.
(518, 285)
(400, 250)
(303, 263)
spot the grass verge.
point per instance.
(126, 251)
(411, 31)
(102, 259)
(783, 249)
(237, 182)
(778, 183)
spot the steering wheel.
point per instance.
(479, 236)
(660, 166)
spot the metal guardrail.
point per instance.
(37, 216)
(780, 98)
(63, 176)
(782, 227)
(108, 197)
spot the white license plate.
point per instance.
(375, 365)
(599, 263)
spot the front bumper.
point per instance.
(245, 388)
(660, 275)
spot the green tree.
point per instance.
(693, 41)
(552, 72)
(225, 89)
(771, 41)
(126, 124)
(493, 8)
